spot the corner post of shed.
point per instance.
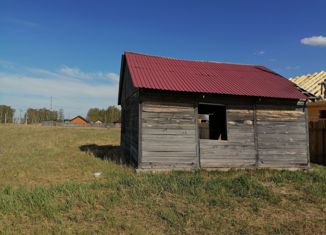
(140, 127)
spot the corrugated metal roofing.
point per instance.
(311, 82)
(162, 73)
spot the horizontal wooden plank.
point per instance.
(168, 115)
(168, 132)
(189, 154)
(227, 147)
(283, 145)
(281, 120)
(168, 109)
(275, 114)
(297, 152)
(271, 137)
(226, 165)
(239, 115)
(279, 157)
(220, 152)
(167, 104)
(240, 135)
(288, 162)
(242, 142)
(169, 126)
(227, 160)
(227, 156)
(280, 124)
(153, 165)
(238, 126)
(281, 131)
(168, 142)
(163, 137)
(169, 148)
(168, 120)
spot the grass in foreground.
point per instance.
(47, 185)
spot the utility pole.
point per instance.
(20, 116)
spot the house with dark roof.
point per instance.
(182, 114)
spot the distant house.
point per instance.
(182, 114)
(315, 87)
(79, 120)
(98, 122)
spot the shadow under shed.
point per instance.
(107, 152)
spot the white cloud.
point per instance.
(112, 76)
(261, 52)
(72, 89)
(74, 72)
(21, 84)
(314, 41)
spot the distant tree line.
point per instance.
(40, 115)
(6, 114)
(109, 115)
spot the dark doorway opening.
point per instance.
(212, 122)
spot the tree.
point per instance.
(93, 114)
(39, 115)
(6, 114)
(109, 115)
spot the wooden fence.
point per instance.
(317, 142)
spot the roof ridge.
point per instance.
(192, 60)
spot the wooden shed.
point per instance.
(181, 114)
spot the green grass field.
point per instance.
(47, 185)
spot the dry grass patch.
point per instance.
(47, 185)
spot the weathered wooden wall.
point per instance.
(168, 137)
(282, 137)
(129, 118)
(239, 149)
(272, 134)
(317, 141)
(129, 128)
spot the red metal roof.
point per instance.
(153, 72)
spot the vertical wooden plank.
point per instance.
(197, 136)
(140, 136)
(320, 142)
(256, 135)
(312, 142)
(307, 135)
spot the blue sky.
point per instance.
(71, 50)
